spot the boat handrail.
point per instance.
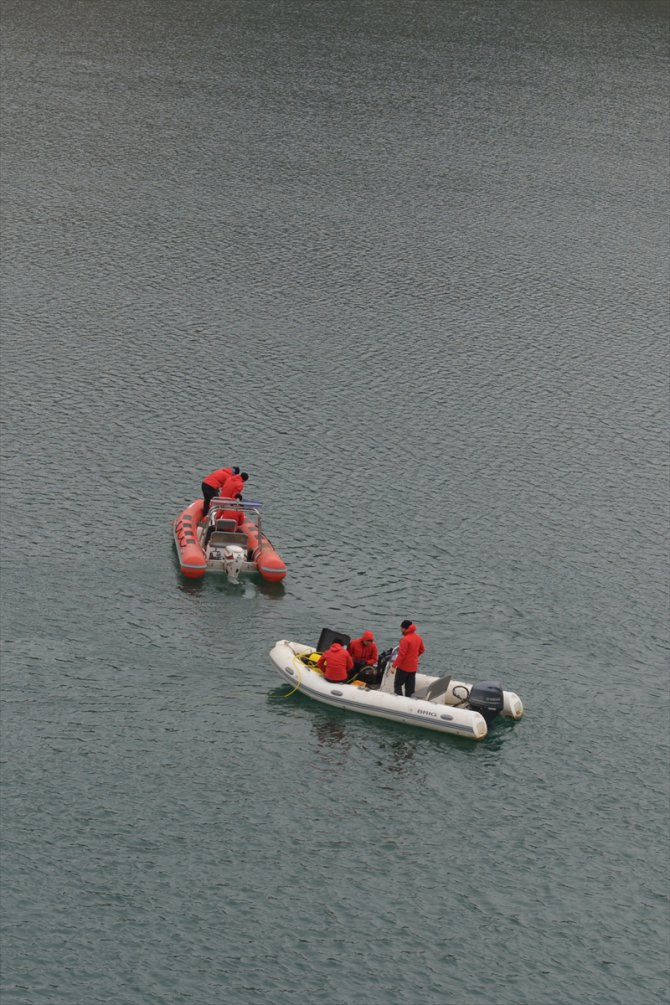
(250, 509)
(234, 504)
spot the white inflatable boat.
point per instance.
(438, 703)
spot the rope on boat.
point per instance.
(293, 690)
(297, 687)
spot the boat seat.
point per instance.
(434, 689)
(226, 525)
(227, 537)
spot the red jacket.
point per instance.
(337, 663)
(218, 477)
(232, 486)
(231, 514)
(410, 648)
(366, 651)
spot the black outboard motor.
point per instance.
(374, 675)
(486, 697)
(382, 660)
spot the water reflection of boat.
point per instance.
(439, 703)
(233, 543)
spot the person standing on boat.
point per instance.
(336, 664)
(212, 484)
(233, 485)
(407, 661)
(363, 651)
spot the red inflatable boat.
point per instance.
(230, 539)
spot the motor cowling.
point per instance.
(233, 561)
(486, 697)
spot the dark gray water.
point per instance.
(407, 263)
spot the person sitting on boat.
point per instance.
(234, 484)
(231, 514)
(212, 484)
(336, 664)
(407, 661)
(363, 651)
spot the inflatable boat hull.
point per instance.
(194, 560)
(437, 714)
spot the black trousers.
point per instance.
(406, 677)
(208, 493)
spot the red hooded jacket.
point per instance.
(337, 663)
(410, 648)
(232, 486)
(218, 477)
(231, 514)
(364, 648)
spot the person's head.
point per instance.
(367, 638)
(406, 625)
(236, 471)
(244, 476)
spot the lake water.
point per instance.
(407, 264)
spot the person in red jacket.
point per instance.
(232, 487)
(231, 514)
(363, 651)
(212, 484)
(407, 661)
(336, 664)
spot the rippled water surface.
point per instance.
(406, 263)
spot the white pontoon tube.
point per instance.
(439, 703)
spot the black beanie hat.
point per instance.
(244, 476)
(405, 624)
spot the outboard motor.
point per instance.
(486, 697)
(233, 559)
(384, 663)
(382, 660)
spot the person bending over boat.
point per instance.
(336, 664)
(233, 485)
(212, 484)
(363, 651)
(407, 661)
